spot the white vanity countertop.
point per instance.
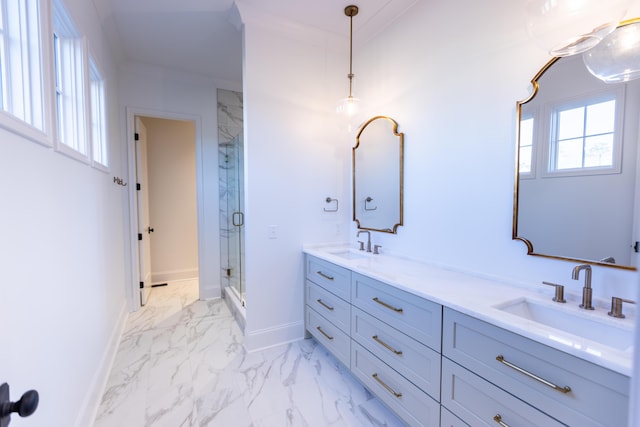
(478, 297)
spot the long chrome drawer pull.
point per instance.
(498, 418)
(324, 333)
(390, 307)
(326, 276)
(322, 303)
(565, 389)
(389, 389)
(385, 345)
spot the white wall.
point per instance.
(61, 263)
(167, 94)
(171, 156)
(294, 159)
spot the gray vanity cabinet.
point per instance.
(435, 366)
(327, 308)
(485, 361)
(390, 339)
(395, 349)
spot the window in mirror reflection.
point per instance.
(526, 146)
(583, 136)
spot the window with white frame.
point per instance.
(21, 64)
(70, 81)
(99, 148)
(585, 135)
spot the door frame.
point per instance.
(132, 262)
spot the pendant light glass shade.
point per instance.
(617, 58)
(348, 111)
(569, 27)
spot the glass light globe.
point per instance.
(348, 111)
(617, 58)
(569, 27)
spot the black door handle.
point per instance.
(149, 230)
(26, 406)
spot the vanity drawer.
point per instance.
(417, 317)
(334, 309)
(410, 403)
(333, 278)
(598, 396)
(478, 402)
(329, 335)
(415, 361)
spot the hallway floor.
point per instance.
(181, 363)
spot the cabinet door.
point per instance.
(333, 278)
(414, 360)
(597, 396)
(417, 317)
(329, 335)
(333, 308)
(411, 404)
(480, 403)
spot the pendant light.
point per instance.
(348, 109)
(569, 27)
(616, 58)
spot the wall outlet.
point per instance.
(272, 231)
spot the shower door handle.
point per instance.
(237, 218)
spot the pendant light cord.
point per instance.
(351, 11)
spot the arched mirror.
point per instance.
(576, 187)
(377, 160)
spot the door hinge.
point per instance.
(636, 247)
(228, 272)
(139, 236)
(136, 136)
(141, 285)
(138, 186)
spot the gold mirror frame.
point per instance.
(360, 222)
(528, 243)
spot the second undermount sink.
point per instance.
(569, 320)
(349, 254)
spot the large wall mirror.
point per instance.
(377, 160)
(576, 187)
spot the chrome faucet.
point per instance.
(368, 239)
(586, 290)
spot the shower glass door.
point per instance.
(232, 216)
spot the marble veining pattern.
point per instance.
(181, 363)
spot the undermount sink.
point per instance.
(349, 254)
(566, 319)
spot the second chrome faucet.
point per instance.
(587, 292)
(368, 240)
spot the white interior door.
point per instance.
(144, 227)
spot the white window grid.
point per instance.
(551, 110)
(70, 87)
(99, 148)
(22, 84)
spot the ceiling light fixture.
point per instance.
(348, 108)
(616, 59)
(569, 27)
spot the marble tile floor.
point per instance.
(181, 363)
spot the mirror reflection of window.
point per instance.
(583, 136)
(526, 146)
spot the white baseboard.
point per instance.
(271, 337)
(168, 276)
(91, 403)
